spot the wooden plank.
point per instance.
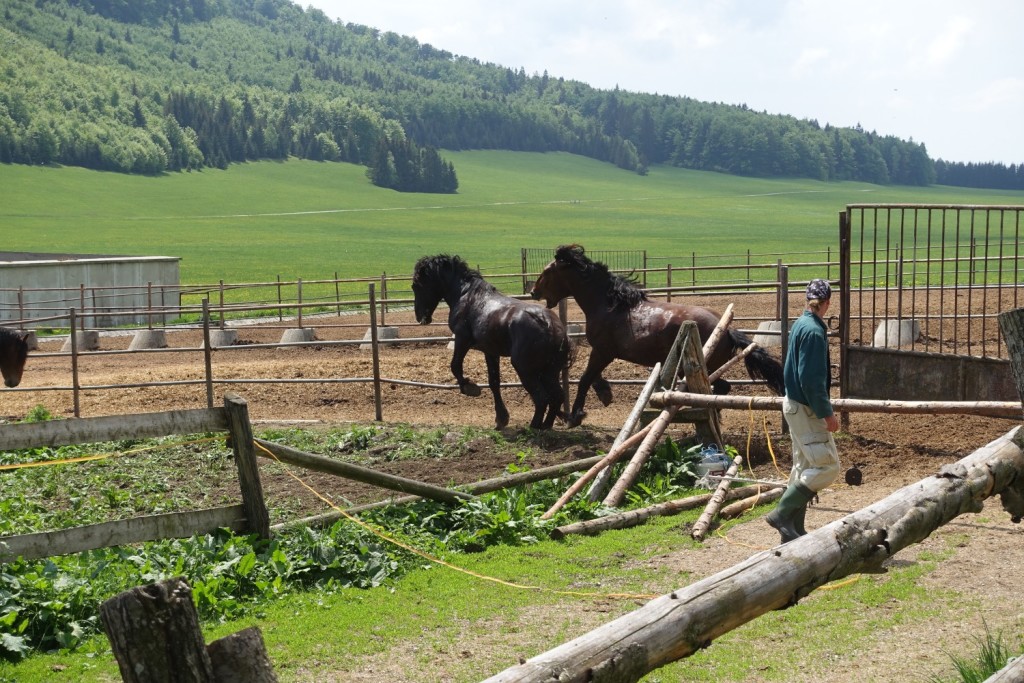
(122, 532)
(111, 428)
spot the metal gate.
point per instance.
(920, 288)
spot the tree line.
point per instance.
(147, 86)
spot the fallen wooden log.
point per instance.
(631, 518)
(680, 623)
(703, 522)
(319, 463)
(664, 399)
(739, 507)
(476, 488)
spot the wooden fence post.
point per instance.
(1012, 325)
(245, 459)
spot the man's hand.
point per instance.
(832, 422)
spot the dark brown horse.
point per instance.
(623, 323)
(13, 352)
(484, 319)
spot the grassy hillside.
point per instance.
(307, 219)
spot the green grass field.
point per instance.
(255, 222)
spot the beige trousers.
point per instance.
(815, 456)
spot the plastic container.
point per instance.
(712, 462)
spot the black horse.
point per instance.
(13, 352)
(484, 319)
(623, 323)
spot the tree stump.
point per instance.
(154, 633)
(241, 658)
(155, 636)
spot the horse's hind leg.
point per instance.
(555, 397)
(494, 382)
(537, 386)
(603, 390)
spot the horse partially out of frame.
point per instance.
(482, 318)
(13, 352)
(622, 322)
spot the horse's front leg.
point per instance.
(494, 382)
(595, 365)
(466, 386)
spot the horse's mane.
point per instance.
(622, 291)
(442, 266)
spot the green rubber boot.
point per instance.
(789, 513)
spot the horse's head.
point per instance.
(13, 353)
(551, 284)
(433, 278)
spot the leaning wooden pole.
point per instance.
(603, 475)
(703, 522)
(662, 399)
(643, 454)
(680, 623)
(616, 452)
(319, 463)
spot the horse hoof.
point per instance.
(470, 389)
(575, 420)
(605, 397)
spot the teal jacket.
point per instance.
(806, 371)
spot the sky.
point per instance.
(949, 74)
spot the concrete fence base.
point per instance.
(298, 334)
(382, 333)
(220, 338)
(148, 339)
(87, 340)
(768, 340)
(31, 340)
(896, 333)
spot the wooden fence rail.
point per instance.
(249, 516)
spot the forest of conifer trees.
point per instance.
(150, 86)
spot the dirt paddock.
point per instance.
(890, 450)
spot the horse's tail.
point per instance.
(566, 355)
(760, 364)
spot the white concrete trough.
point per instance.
(87, 340)
(574, 328)
(219, 338)
(896, 333)
(382, 333)
(31, 340)
(148, 339)
(769, 340)
(297, 335)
